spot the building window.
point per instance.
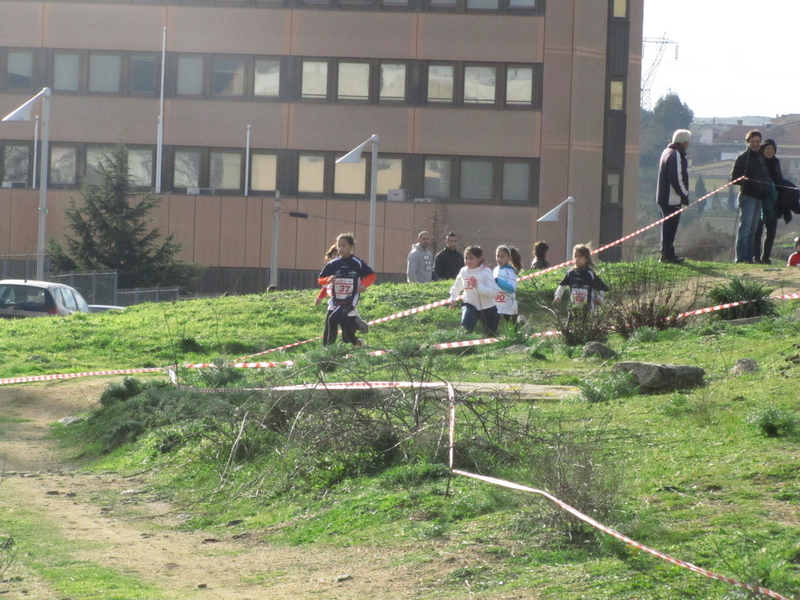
(350, 178)
(390, 174)
(264, 172)
(519, 86)
(394, 3)
(442, 4)
(187, 169)
(311, 174)
(140, 166)
(612, 191)
(479, 84)
(516, 181)
(142, 74)
(104, 73)
(529, 4)
(616, 96)
(476, 179)
(62, 165)
(353, 81)
(619, 9)
(228, 76)
(190, 75)
(267, 78)
(16, 158)
(315, 80)
(441, 83)
(225, 170)
(393, 82)
(20, 70)
(483, 4)
(94, 158)
(437, 178)
(66, 72)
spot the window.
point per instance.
(616, 97)
(20, 70)
(104, 73)
(390, 174)
(393, 82)
(516, 181)
(267, 78)
(395, 3)
(15, 162)
(350, 178)
(619, 9)
(228, 76)
(187, 169)
(612, 192)
(522, 4)
(483, 4)
(190, 75)
(519, 86)
(140, 166)
(311, 173)
(62, 164)
(437, 178)
(353, 81)
(66, 72)
(476, 179)
(94, 158)
(440, 83)
(442, 4)
(315, 79)
(263, 172)
(479, 84)
(225, 170)
(142, 75)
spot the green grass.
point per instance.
(697, 477)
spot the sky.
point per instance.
(735, 57)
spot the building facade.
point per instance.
(489, 114)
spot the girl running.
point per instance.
(479, 287)
(509, 264)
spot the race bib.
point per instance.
(470, 283)
(500, 298)
(579, 295)
(344, 286)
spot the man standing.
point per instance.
(672, 191)
(449, 261)
(420, 260)
(753, 190)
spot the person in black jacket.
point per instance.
(754, 190)
(672, 191)
(769, 209)
(448, 263)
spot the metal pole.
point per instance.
(35, 148)
(373, 201)
(160, 141)
(276, 223)
(46, 93)
(570, 202)
(247, 164)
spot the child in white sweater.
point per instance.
(477, 282)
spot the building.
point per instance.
(489, 112)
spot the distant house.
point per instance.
(714, 175)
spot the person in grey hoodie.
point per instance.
(420, 260)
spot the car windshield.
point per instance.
(23, 297)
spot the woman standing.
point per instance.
(769, 207)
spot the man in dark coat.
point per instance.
(672, 192)
(449, 261)
(754, 189)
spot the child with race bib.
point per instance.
(348, 276)
(477, 282)
(585, 288)
(509, 264)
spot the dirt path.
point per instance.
(234, 566)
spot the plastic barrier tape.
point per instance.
(33, 378)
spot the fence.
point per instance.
(95, 287)
(20, 266)
(133, 296)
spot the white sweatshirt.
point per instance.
(506, 299)
(478, 285)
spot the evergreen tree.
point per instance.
(700, 188)
(658, 125)
(112, 232)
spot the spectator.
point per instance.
(449, 261)
(540, 261)
(420, 260)
(753, 190)
(794, 259)
(672, 191)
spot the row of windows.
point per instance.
(516, 7)
(294, 172)
(370, 81)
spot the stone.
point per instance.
(652, 376)
(515, 349)
(342, 578)
(745, 366)
(70, 420)
(598, 349)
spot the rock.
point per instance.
(515, 349)
(745, 366)
(70, 420)
(342, 578)
(598, 349)
(652, 376)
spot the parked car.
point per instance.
(21, 298)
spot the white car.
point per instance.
(21, 298)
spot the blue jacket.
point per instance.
(673, 178)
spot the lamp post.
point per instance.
(354, 156)
(276, 232)
(552, 216)
(23, 113)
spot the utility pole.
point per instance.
(648, 77)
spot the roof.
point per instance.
(720, 168)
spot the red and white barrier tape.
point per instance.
(241, 365)
(32, 378)
(702, 311)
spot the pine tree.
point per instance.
(111, 231)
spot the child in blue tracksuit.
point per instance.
(509, 264)
(349, 277)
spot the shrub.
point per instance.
(774, 422)
(608, 387)
(738, 289)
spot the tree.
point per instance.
(668, 115)
(111, 232)
(700, 188)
